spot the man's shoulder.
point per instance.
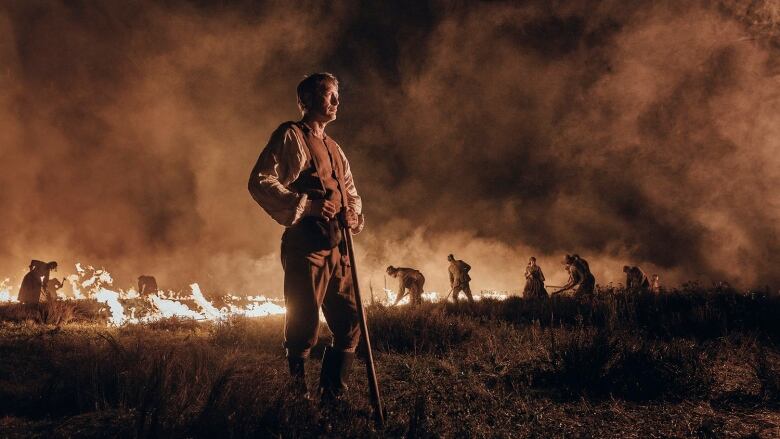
(284, 127)
(284, 132)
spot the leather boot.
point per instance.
(298, 377)
(336, 366)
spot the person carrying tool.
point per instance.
(303, 180)
(581, 280)
(459, 278)
(408, 279)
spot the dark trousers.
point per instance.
(462, 287)
(315, 280)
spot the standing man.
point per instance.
(302, 179)
(459, 278)
(408, 279)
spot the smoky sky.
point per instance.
(643, 133)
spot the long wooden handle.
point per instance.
(373, 384)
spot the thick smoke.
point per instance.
(642, 134)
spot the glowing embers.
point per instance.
(430, 296)
(495, 295)
(434, 297)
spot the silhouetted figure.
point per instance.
(147, 285)
(534, 281)
(582, 262)
(636, 280)
(655, 284)
(459, 278)
(34, 282)
(581, 280)
(408, 279)
(51, 287)
(303, 180)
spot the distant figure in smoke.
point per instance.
(408, 279)
(581, 280)
(34, 282)
(655, 284)
(534, 281)
(459, 278)
(51, 287)
(303, 180)
(147, 285)
(636, 280)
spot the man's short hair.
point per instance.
(311, 85)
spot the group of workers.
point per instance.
(38, 286)
(581, 281)
(303, 180)
(412, 281)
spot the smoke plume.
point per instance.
(643, 134)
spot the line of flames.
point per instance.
(434, 297)
(96, 284)
(91, 283)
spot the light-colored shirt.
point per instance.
(279, 165)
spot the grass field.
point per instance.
(691, 363)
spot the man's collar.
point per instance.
(307, 129)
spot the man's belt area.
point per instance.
(312, 233)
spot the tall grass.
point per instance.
(446, 370)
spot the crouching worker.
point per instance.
(581, 280)
(302, 179)
(35, 281)
(51, 288)
(636, 280)
(408, 279)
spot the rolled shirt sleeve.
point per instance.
(354, 203)
(280, 164)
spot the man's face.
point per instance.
(325, 103)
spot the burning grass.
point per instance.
(691, 364)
